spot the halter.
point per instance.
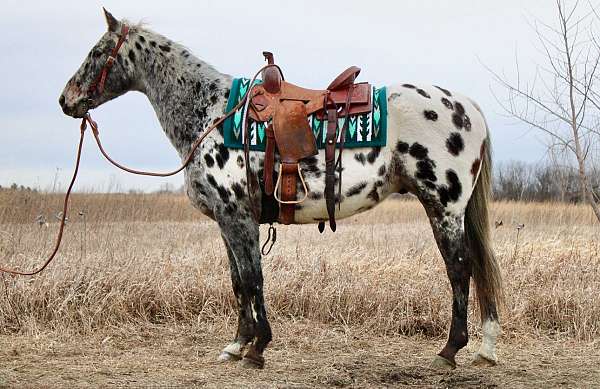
(97, 87)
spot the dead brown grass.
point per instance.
(143, 259)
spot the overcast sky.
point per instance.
(446, 43)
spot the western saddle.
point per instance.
(286, 107)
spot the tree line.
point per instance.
(516, 180)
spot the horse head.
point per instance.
(104, 74)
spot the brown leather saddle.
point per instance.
(287, 107)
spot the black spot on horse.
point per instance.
(132, 55)
(230, 209)
(409, 86)
(222, 155)
(429, 184)
(459, 108)
(211, 180)
(226, 94)
(452, 191)
(223, 193)
(210, 162)
(467, 123)
(423, 93)
(138, 46)
(356, 189)
(418, 151)
(374, 195)
(360, 157)
(164, 48)
(455, 144)
(238, 190)
(373, 154)
(213, 99)
(240, 162)
(315, 195)
(198, 87)
(311, 166)
(142, 39)
(402, 147)
(152, 43)
(430, 115)
(447, 103)
(445, 91)
(381, 171)
(425, 170)
(212, 86)
(458, 121)
(201, 113)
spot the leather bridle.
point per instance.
(97, 87)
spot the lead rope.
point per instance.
(87, 119)
(64, 214)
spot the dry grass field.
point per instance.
(140, 295)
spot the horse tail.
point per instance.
(486, 272)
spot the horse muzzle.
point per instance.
(76, 110)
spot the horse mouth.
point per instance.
(78, 110)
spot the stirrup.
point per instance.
(290, 201)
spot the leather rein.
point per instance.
(96, 89)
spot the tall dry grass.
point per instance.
(151, 258)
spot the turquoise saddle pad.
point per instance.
(364, 130)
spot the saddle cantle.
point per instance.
(287, 107)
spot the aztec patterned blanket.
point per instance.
(364, 130)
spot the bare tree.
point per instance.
(562, 100)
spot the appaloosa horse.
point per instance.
(438, 149)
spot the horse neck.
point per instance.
(185, 92)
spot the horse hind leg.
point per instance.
(450, 237)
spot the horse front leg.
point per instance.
(246, 329)
(241, 235)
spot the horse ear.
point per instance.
(111, 21)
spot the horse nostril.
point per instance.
(61, 100)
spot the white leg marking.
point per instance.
(491, 330)
(253, 311)
(234, 348)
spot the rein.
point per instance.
(63, 218)
(98, 86)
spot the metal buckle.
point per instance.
(110, 60)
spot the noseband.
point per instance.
(97, 87)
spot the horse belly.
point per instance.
(364, 184)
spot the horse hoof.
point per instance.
(250, 363)
(441, 363)
(228, 357)
(482, 361)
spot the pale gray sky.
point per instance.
(418, 41)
